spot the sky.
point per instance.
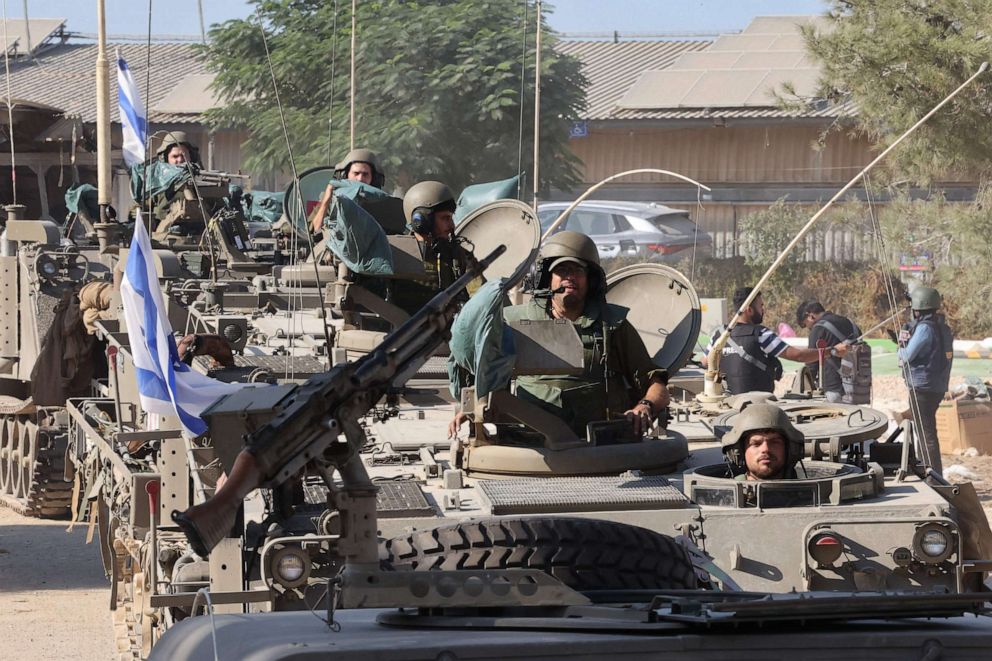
(181, 17)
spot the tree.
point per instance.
(895, 60)
(438, 88)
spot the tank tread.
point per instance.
(48, 495)
(584, 554)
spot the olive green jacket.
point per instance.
(602, 391)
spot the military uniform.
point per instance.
(611, 387)
(444, 262)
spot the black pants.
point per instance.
(924, 405)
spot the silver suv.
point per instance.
(646, 230)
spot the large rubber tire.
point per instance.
(584, 554)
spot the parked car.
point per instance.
(645, 230)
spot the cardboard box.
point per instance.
(963, 424)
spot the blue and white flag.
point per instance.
(134, 122)
(166, 386)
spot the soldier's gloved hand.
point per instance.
(903, 337)
(892, 335)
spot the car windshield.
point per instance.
(673, 224)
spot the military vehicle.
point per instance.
(864, 545)
(861, 496)
(281, 327)
(47, 356)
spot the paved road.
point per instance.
(53, 595)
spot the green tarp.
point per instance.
(162, 178)
(357, 239)
(476, 195)
(481, 344)
(85, 197)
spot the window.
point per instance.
(591, 222)
(674, 224)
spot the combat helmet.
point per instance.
(925, 298)
(422, 201)
(569, 246)
(361, 156)
(759, 417)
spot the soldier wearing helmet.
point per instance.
(619, 377)
(361, 165)
(763, 444)
(429, 208)
(176, 149)
(926, 354)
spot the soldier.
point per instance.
(750, 359)
(176, 149)
(429, 207)
(763, 444)
(619, 377)
(926, 353)
(832, 329)
(361, 165)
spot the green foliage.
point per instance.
(897, 59)
(765, 234)
(438, 89)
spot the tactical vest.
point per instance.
(931, 372)
(443, 264)
(587, 397)
(744, 365)
(854, 369)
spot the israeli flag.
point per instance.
(166, 386)
(134, 122)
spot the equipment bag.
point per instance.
(855, 366)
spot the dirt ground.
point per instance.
(53, 595)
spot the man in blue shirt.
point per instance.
(926, 353)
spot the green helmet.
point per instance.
(758, 417)
(361, 156)
(567, 246)
(925, 298)
(426, 198)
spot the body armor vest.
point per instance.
(745, 366)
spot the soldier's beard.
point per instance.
(769, 471)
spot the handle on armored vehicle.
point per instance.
(307, 426)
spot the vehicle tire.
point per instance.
(584, 554)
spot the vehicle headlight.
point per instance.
(932, 543)
(290, 566)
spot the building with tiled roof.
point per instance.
(52, 89)
(707, 109)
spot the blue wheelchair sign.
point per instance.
(578, 130)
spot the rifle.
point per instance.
(312, 416)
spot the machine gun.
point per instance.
(311, 418)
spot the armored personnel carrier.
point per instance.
(866, 547)
(47, 356)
